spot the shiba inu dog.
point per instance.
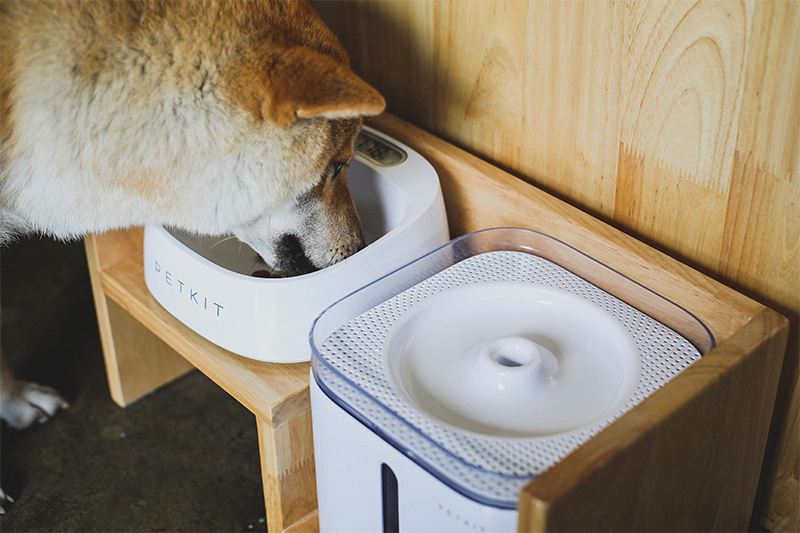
(212, 116)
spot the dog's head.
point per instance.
(319, 226)
(310, 106)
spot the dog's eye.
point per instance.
(335, 168)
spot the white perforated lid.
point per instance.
(487, 369)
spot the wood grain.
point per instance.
(761, 241)
(275, 393)
(307, 524)
(137, 362)
(479, 195)
(287, 468)
(682, 460)
(675, 120)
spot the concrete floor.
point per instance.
(184, 458)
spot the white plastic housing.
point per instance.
(487, 378)
(471, 371)
(403, 214)
(348, 458)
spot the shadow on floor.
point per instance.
(184, 458)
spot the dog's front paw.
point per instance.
(4, 499)
(29, 403)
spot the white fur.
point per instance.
(120, 134)
(77, 158)
(27, 403)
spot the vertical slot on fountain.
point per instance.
(391, 514)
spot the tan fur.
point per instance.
(300, 84)
(210, 116)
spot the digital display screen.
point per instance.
(378, 151)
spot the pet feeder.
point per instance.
(206, 282)
(441, 389)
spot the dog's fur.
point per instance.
(215, 117)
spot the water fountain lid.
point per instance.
(485, 363)
(511, 359)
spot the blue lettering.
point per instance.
(194, 295)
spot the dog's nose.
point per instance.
(291, 259)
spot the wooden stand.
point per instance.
(145, 347)
(688, 457)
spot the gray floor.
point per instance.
(184, 458)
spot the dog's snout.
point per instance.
(343, 251)
(292, 259)
(361, 244)
(357, 246)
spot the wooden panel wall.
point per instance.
(678, 121)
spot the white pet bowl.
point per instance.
(205, 282)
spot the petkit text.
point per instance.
(187, 291)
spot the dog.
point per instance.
(216, 117)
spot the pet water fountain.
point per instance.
(441, 389)
(206, 282)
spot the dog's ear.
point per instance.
(303, 83)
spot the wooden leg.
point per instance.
(287, 470)
(137, 362)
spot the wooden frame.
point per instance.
(687, 458)
(145, 347)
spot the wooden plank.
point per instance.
(307, 524)
(486, 109)
(273, 392)
(109, 247)
(406, 27)
(566, 46)
(143, 362)
(686, 459)
(479, 195)
(682, 89)
(136, 361)
(761, 239)
(287, 470)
